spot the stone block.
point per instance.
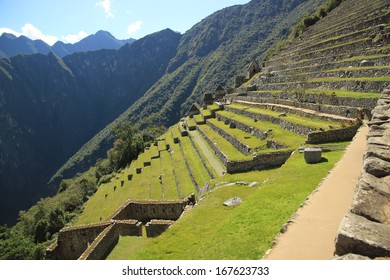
(312, 155)
(377, 167)
(371, 204)
(357, 235)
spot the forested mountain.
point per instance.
(212, 52)
(10, 45)
(50, 107)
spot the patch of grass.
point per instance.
(223, 145)
(344, 93)
(280, 135)
(246, 231)
(197, 169)
(337, 79)
(314, 123)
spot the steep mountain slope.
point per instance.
(50, 107)
(10, 45)
(212, 52)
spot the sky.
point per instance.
(72, 20)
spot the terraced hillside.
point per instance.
(316, 91)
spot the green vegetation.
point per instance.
(287, 138)
(314, 123)
(213, 231)
(343, 93)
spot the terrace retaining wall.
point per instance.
(365, 229)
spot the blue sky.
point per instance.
(72, 20)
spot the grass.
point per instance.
(244, 137)
(212, 231)
(337, 79)
(280, 135)
(197, 169)
(344, 93)
(223, 145)
(314, 123)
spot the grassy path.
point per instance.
(314, 228)
(214, 161)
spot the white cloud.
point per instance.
(9, 30)
(34, 33)
(74, 38)
(134, 27)
(31, 32)
(106, 5)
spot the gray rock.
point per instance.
(371, 204)
(380, 185)
(232, 201)
(312, 155)
(365, 63)
(358, 235)
(253, 184)
(352, 257)
(377, 167)
(378, 151)
(232, 125)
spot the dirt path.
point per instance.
(214, 161)
(311, 235)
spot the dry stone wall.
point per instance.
(155, 228)
(296, 128)
(241, 147)
(335, 135)
(148, 210)
(73, 241)
(254, 131)
(365, 230)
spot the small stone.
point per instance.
(232, 201)
(253, 184)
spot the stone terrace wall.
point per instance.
(254, 131)
(73, 241)
(155, 228)
(335, 135)
(102, 245)
(260, 161)
(286, 125)
(148, 210)
(241, 147)
(365, 230)
(344, 111)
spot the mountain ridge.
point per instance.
(11, 45)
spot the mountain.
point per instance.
(100, 40)
(212, 52)
(10, 45)
(51, 106)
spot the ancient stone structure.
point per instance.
(95, 241)
(312, 155)
(365, 230)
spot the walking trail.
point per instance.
(311, 235)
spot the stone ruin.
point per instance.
(365, 230)
(96, 241)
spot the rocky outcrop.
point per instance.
(365, 230)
